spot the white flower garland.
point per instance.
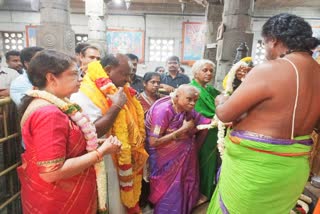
(227, 92)
(221, 127)
(89, 131)
(215, 121)
(221, 135)
(221, 132)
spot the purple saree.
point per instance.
(174, 172)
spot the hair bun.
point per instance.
(312, 42)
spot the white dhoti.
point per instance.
(113, 194)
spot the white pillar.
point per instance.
(96, 10)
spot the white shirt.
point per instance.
(94, 113)
(19, 87)
(7, 75)
(88, 107)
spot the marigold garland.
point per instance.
(130, 130)
(74, 111)
(130, 182)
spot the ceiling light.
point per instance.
(118, 2)
(128, 3)
(183, 6)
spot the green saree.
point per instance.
(208, 153)
(260, 174)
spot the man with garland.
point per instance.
(111, 104)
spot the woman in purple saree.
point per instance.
(173, 144)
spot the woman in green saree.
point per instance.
(203, 72)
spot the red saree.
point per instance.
(145, 102)
(51, 138)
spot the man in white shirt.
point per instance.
(7, 75)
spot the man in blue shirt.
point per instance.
(172, 79)
(21, 84)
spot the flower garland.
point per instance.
(129, 176)
(128, 127)
(228, 85)
(88, 129)
(221, 127)
(221, 135)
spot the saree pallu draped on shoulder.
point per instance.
(51, 138)
(208, 154)
(261, 174)
(174, 168)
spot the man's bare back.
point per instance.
(264, 103)
(266, 107)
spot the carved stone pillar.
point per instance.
(242, 52)
(55, 30)
(236, 29)
(96, 10)
(213, 20)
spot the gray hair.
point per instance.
(183, 87)
(198, 65)
(173, 94)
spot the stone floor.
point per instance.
(199, 210)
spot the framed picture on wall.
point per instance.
(193, 41)
(31, 35)
(316, 52)
(316, 31)
(126, 41)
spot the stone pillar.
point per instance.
(242, 52)
(213, 20)
(236, 29)
(96, 10)
(55, 30)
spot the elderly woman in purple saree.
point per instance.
(173, 143)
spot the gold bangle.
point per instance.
(99, 155)
(117, 106)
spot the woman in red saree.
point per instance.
(57, 173)
(151, 84)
